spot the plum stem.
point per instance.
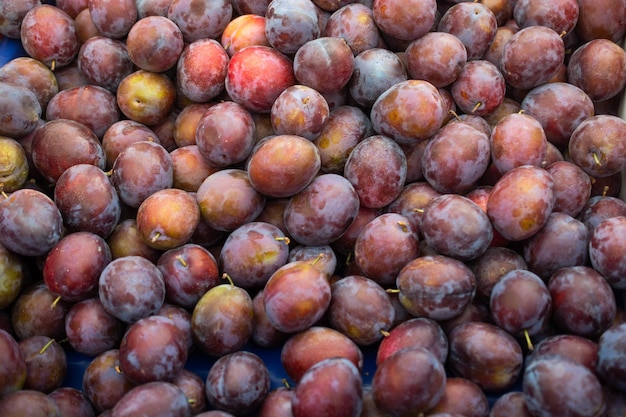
(286, 383)
(118, 369)
(476, 106)
(55, 302)
(228, 278)
(392, 291)
(53, 65)
(418, 210)
(182, 261)
(455, 115)
(283, 239)
(46, 346)
(404, 227)
(528, 341)
(605, 190)
(317, 258)
(596, 159)
(384, 332)
(155, 237)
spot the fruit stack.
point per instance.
(274, 208)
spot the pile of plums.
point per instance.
(411, 206)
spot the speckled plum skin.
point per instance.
(91, 105)
(485, 354)
(113, 18)
(354, 22)
(30, 222)
(325, 64)
(597, 19)
(136, 181)
(201, 70)
(257, 75)
(304, 349)
(283, 165)
(572, 187)
(48, 34)
(384, 246)
(375, 70)
(238, 383)
(168, 218)
(102, 213)
(228, 200)
(154, 43)
(577, 348)
(409, 382)
(461, 395)
(242, 31)
(102, 382)
(296, 296)
(532, 56)
(222, 320)
(200, 19)
(437, 57)
(516, 139)
(290, 24)
(561, 231)
(518, 317)
(155, 398)
(404, 20)
(606, 245)
(21, 111)
(560, 16)
(104, 61)
(13, 363)
(583, 302)
(479, 87)
(131, 288)
(521, 201)
(455, 226)
(559, 107)
(554, 385)
(600, 82)
(90, 330)
(346, 126)
(418, 111)
(252, 253)
(322, 211)
(62, 143)
(596, 147)
(317, 392)
(611, 349)
(376, 168)
(414, 332)
(73, 266)
(361, 309)
(300, 110)
(436, 286)
(473, 23)
(152, 350)
(455, 158)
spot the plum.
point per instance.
(221, 321)
(13, 365)
(238, 383)
(409, 382)
(317, 393)
(296, 296)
